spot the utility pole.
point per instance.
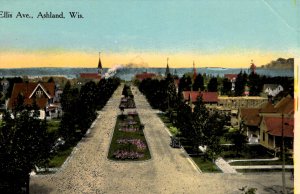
(283, 158)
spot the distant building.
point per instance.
(272, 89)
(194, 72)
(145, 75)
(84, 77)
(232, 79)
(167, 68)
(43, 94)
(253, 67)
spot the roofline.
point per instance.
(42, 89)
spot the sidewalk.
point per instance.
(264, 167)
(224, 166)
(252, 160)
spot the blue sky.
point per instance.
(161, 25)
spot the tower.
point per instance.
(252, 67)
(167, 68)
(194, 71)
(99, 65)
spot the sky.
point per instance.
(216, 33)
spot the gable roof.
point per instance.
(285, 105)
(250, 116)
(207, 97)
(275, 125)
(27, 90)
(268, 107)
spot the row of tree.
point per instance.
(161, 94)
(253, 81)
(198, 127)
(25, 141)
(79, 106)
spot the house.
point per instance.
(271, 131)
(250, 119)
(42, 94)
(272, 89)
(232, 79)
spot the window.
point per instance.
(263, 136)
(39, 93)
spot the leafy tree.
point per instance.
(24, 143)
(238, 139)
(226, 87)
(213, 85)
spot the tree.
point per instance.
(199, 123)
(226, 87)
(184, 118)
(198, 83)
(213, 85)
(255, 84)
(240, 84)
(238, 139)
(24, 143)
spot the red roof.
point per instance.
(285, 105)
(230, 76)
(207, 97)
(268, 107)
(274, 126)
(28, 89)
(90, 76)
(144, 75)
(250, 116)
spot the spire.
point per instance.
(252, 67)
(195, 71)
(99, 65)
(167, 69)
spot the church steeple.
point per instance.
(252, 67)
(167, 69)
(194, 71)
(99, 65)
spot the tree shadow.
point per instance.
(278, 189)
(37, 189)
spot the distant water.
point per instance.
(128, 73)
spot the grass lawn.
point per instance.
(205, 165)
(247, 152)
(53, 125)
(115, 146)
(288, 161)
(60, 157)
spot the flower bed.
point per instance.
(123, 154)
(137, 142)
(128, 141)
